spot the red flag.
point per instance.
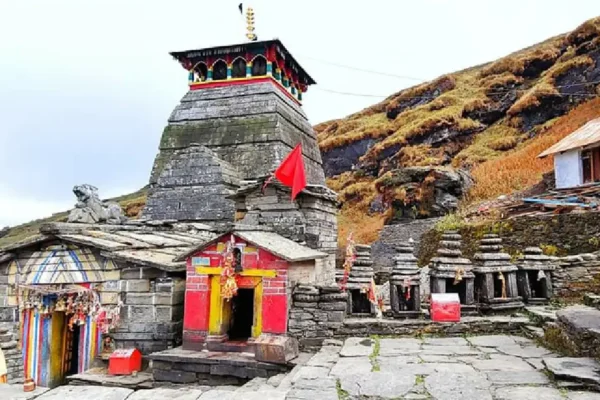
(291, 171)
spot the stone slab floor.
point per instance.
(471, 368)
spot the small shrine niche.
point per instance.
(451, 273)
(405, 280)
(495, 276)
(359, 282)
(534, 276)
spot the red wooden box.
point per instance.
(445, 307)
(125, 362)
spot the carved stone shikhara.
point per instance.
(405, 296)
(495, 277)
(451, 273)
(90, 209)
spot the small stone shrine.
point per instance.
(405, 280)
(359, 283)
(495, 277)
(451, 273)
(533, 277)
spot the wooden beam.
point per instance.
(265, 273)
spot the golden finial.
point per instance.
(250, 28)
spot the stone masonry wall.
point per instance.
(194, 185)
(316, 313)
(152, 313)
(311, 220)
(390, 236)
(577, 275)
(9, 343)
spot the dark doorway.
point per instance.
(460, 288)
(360, 302)
(539, 289)
(407, 300)
(498, 284)
(73, 351)
(242, 315)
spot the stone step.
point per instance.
(534, 331)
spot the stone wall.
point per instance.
(577, 275)
(9, 339)
(311, 219)
(382, 250)
(152, 313)
(317, 312)
(194, 185)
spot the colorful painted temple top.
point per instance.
(240, 63)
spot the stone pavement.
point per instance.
(471, 368)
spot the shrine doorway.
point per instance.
(460, 288)
(242, 315)
(71, 354)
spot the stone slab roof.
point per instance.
(5, 257)
(148, 244)
(272, 242)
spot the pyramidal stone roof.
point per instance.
(449, 258)
(405, 267)
(361, 273)
(490, 258)
(194, 186)
(251, 126)
(534, 259)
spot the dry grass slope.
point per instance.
(502, 152)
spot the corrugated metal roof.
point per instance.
(585, 136)
(270, 241)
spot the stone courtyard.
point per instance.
(495, 367)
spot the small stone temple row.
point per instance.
(491, 282)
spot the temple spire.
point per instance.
(249, 22)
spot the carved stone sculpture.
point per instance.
(90, 209)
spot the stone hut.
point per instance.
(405, 281)
(495, 277)
(80, 290)
(451, 273)
(359, 283)
(535, 276)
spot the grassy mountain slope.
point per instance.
(493, 119)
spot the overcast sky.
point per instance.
(86, 86)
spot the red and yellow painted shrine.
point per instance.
(267, 267)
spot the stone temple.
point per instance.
(244, 109)
(98, 282)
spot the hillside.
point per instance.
(399, 158)
(463, 138)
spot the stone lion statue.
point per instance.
(90, 209)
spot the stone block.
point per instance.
(174, 376)
(336, 316)
(139, 299)
(139, 313)
(173, 313)
(275, 349)
(109, 298)
(114, 286)
(138, 285)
